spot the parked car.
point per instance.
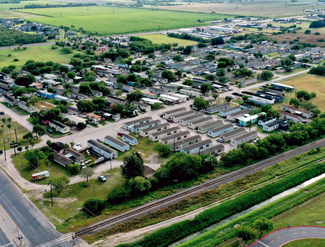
(170, 120)
(2, 113)
(99, 140)
(120, 134)
(220, 140)
(83, 166)
(49, 131)
(102, 178)
(161, 115)
(240, 125)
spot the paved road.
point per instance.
(4, 239)
(35, 228)
(285, 235)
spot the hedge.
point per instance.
(169, 235)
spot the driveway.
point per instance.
(282, 236)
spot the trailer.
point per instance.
(40, 175)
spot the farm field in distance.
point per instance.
(160, 39)
(311, 83)
(257, 8)
(105, 20)
(37, 53)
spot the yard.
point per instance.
(106, 20)
(160, 39)
(39, 53)
(70, 201)
(43, 105)
(311, 83)
(16, 109)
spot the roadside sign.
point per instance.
(14, 144)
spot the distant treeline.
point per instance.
(189, 37)
(43, 6)
(10, 36)
(317, 24)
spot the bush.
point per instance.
(118, 195)
(93, 206)
(81, 126)
(266, 75)
(164, 150)
(74, 169)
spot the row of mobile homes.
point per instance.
(156, 128)
(206, 127)
(167, 114)
(176, 137)
(136, 122)
(196, 148)
(217, 108)
(220, 130)
(176, 146)
(161, 134)
(243, 138)
(232, 134)
(138, 128)
(115, 143)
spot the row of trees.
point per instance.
(10, 37)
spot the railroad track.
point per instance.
(166, 201)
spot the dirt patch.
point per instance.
(61, 202)
(303, 38)
(44, 105)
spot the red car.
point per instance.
(170, 120)
(120, 133)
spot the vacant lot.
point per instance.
(306, 243)
(160, 39)
(257, 8)
(311, 83)
(43, 105)
(39, 53)
(105, 20)
(303, 38)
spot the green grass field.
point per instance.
(105, 20)
(39, 53)
(160, 39)
(311, 83)
(306, 243)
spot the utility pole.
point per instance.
(4, 148)
(51, 194)
(174, 144)
(94, 191)
(290, 215)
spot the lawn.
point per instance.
(9, 134)
(311, 83)
(26, 171)
(71, 200)
(16, 109)
(306, 243)
(106, 20)
(253, 8)
(39, 53)
(292, 72)
(160, 39)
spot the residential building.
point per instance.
(62, 160)
(136, 122)
(297, 111)
(57, 147)
(78, 96)
(163, 133)
(180, 116)
(156, 128)
(115, 143)
(96, 93)
(190, 93)
(245, 121)
(278, 124)
(195, 124)
(185, 142)
(217, 108)
(101, 149)
(226, 112)
(243, 138)
(58, 126)
(176, 137)
(214, 150)
(23, 105)
(45, 94)
(142, 106)
(220, 130)
(72, 110)
(149, 95)
(190, 119)
(75, 119)
(197, 147)
(266, 121)
(232, 134)
(95, 119)
(167, 114)
(10, 100)
(75, 155)
(60, 98)
(138, 128)
(130, 139)
(169, 100)
(206, 127)
(232, 117)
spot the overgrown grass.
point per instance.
(306, 243)
(208, 197)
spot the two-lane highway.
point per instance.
(4, 241)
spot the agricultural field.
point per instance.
(105, 20)
(274, 9)
(38, 53)
(311, 83)
(306, 243)
(160, 39)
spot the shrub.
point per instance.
(164, 150)
(74, 169)
(93, 206)
(118, 195)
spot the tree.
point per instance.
(156, 106)
(72, 144)
(217, 41)
(228, 99)
(26, 148)
(86, 106)
(188, 82)
(294, 102)
(273, 113)
(89, 76)
(210, 77)
(146, 82)
(118, 93)
(139, 185)
(71, 74)
(177, 58)
(220, 72)
(28, 136)
(86, 173)
(215, 96)
(85, 88)
(168, 75)
(93, 205)
(81, 126)
(246, 233)
(132, 166)
(59, 183)
(263, 225)
(245, 98)
(134, 96)
(208, 163)
(200, 103)
(164, 150)
(210, 57)
(39, 130)
(266, 75)
(307, 31)
(25, 81)
(187, 50)
(205, 87)
(20, 149)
